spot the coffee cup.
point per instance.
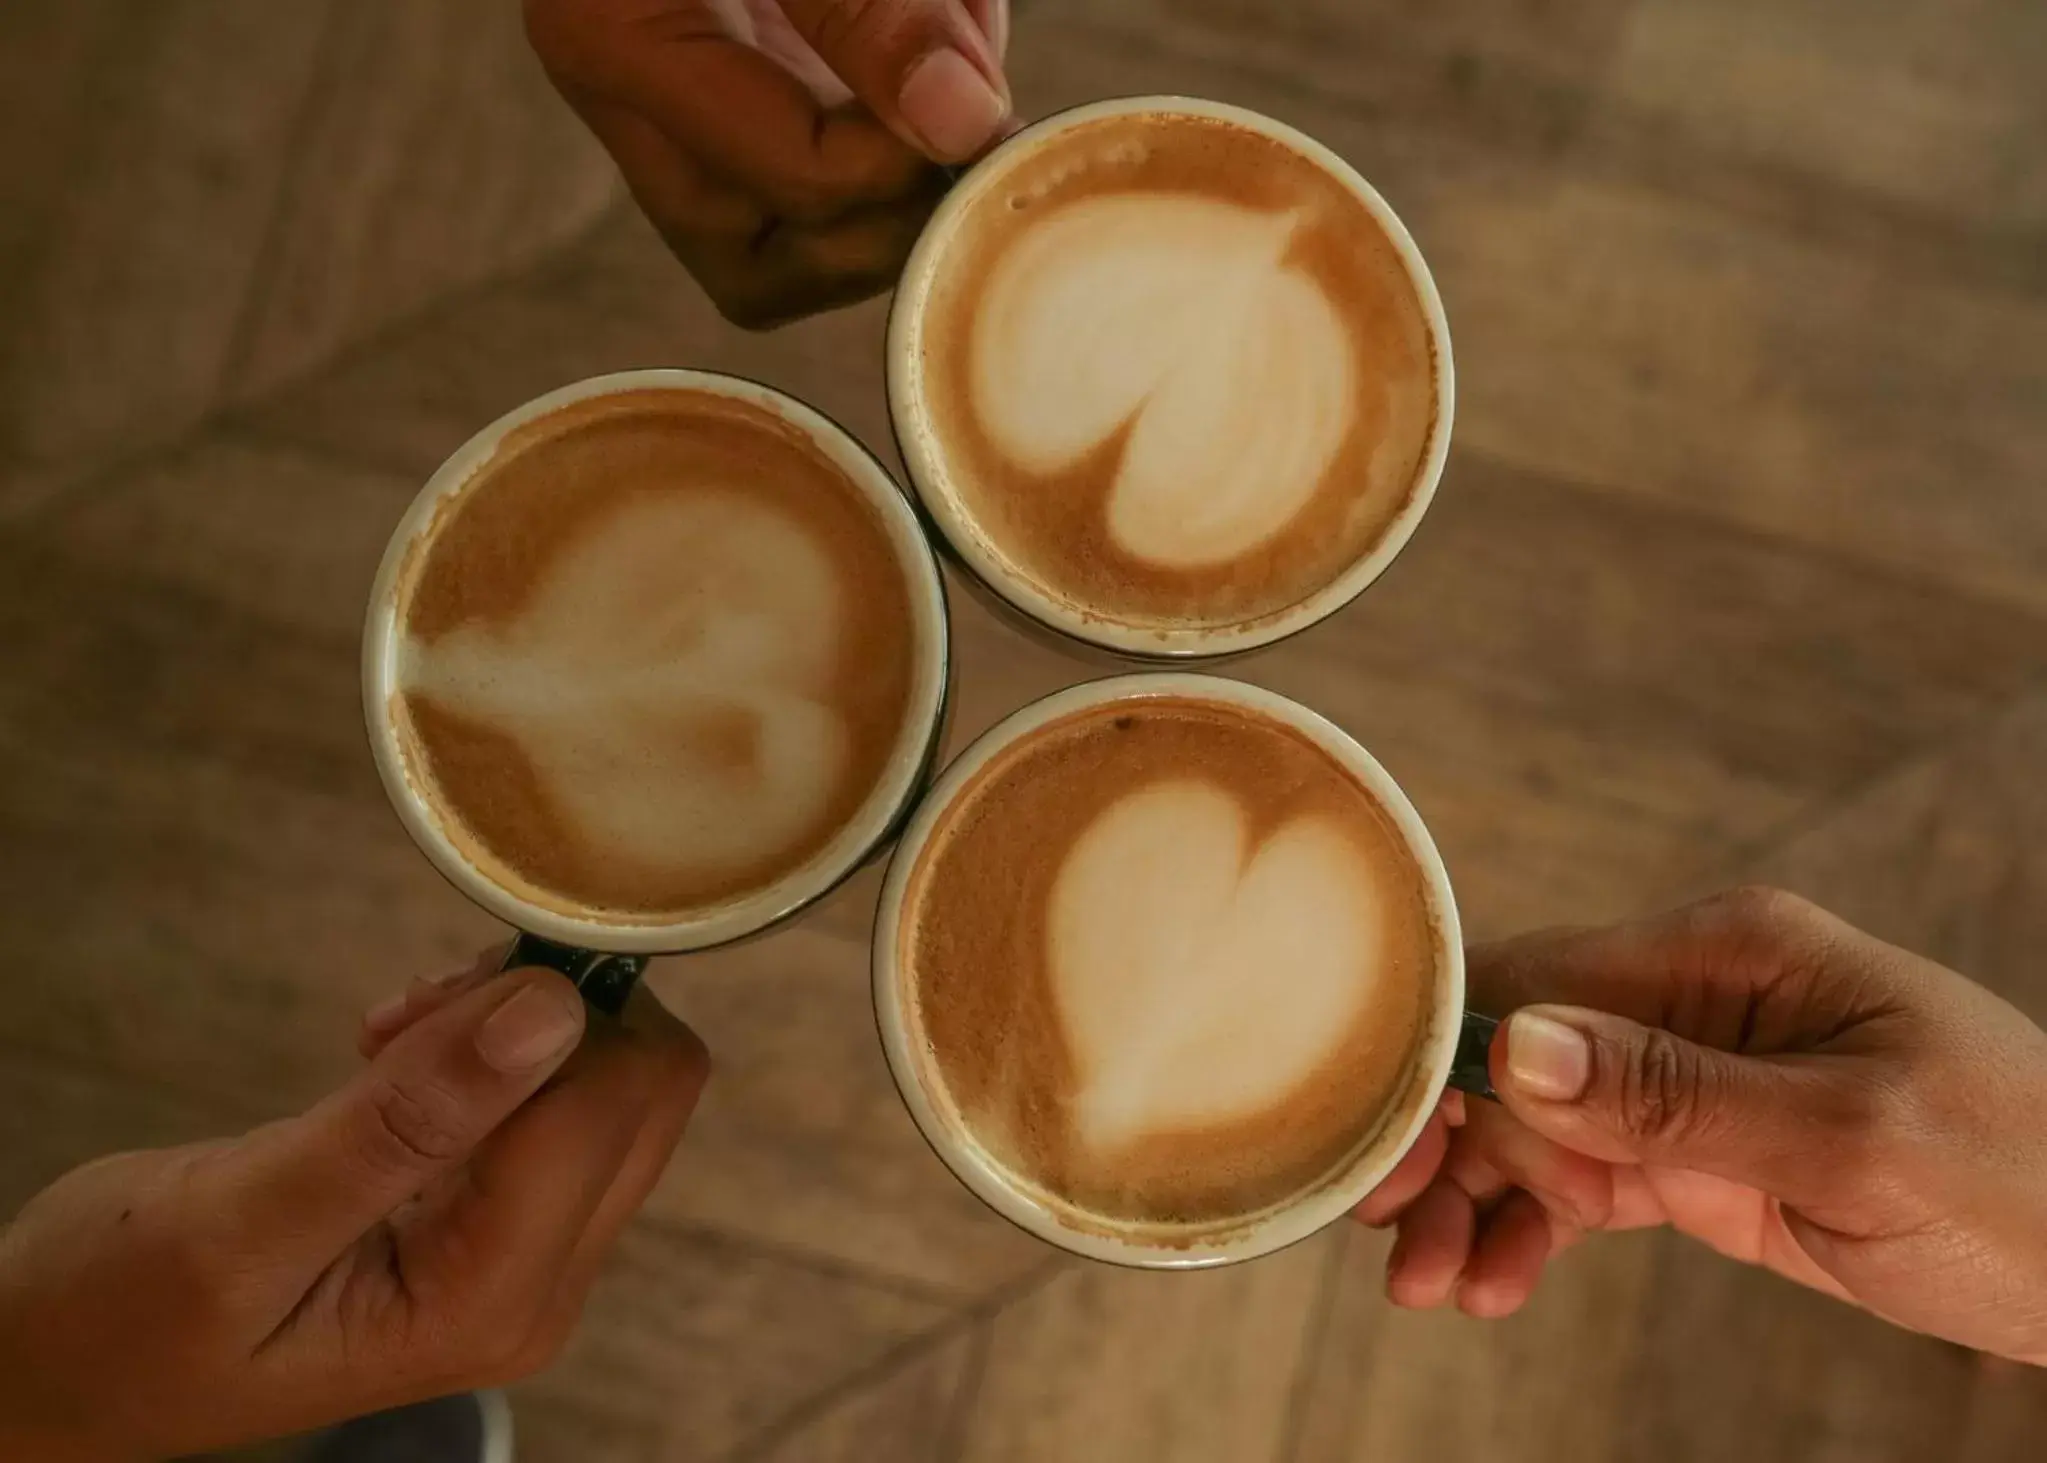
(1171, 381)
(652, 664)
(1168, 971)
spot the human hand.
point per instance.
(787, 150)
(1765, 1078)
(432, 1226)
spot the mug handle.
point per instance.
(1468, 1068)
(604, 980)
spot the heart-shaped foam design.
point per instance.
(1200, 980)
(1181, 319)
(667, 681)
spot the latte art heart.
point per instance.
(667, 681)
(1200, 979)
(1180, 322)
(1170, 960)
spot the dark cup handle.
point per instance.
(604, 980)
(1468, 1068)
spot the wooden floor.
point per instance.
(1739, 569)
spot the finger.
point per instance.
(1609, 1088)
(313, 1184)
(1746, 1225)
(924, 67)
(1495, 1151)
(762, 25)
(1636, 1202)
(1415, 1172)
(1738, 971)
(1434, 1241)
(1506, 1259)
(683, 1075)
(760, 271)
(722, 101)
(424, 996)
(792, 271)
(991, 17)
(492, 1252)
(676, 191)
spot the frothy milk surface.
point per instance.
(1170, 962)
(656, 653)
(1174, 372)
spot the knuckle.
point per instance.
(1764, 907)
(803, 198)
(851, 25)
(1851, 1133)
(751, 310)
(1659, 1088)
(415, 1124)
(1871, 1120)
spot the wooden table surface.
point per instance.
(1739, 570)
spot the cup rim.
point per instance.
(1285, 1223)
(877, 820)
(971, 548)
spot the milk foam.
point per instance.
(1178, 320)
(667, 680)
(1200, 978)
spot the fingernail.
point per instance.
(950, 106)
(535, 1026)
(385, 1015)
(1546, 1058)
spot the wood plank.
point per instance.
(906, 1416)
(619, 302)
(1521, 74)
(57, 1115)
(1541, 1385)
(1935, 107)
(118, 330)
(1732, 1362)
(434, 154)
(701, 1344)
(1947, 857)
(1107, 1363)
(1590, 699)
(802, 1142)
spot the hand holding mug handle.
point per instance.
(1470, 1067)
(604, 981)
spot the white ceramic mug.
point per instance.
(1452, 1048)
(605, 957)
(1008, 589)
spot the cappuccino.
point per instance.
(653, 656)
(1166, 965)
(1167, 373)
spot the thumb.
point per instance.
(924, 67)
(1613, 1089)
(311, 1186)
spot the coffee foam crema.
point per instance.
(1165, 370)
(654, 655)
(1169, 964)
